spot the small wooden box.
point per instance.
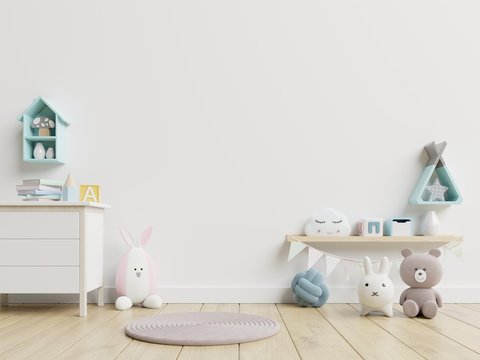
(371, 227)
(398, 227)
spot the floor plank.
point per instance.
(462, 313)
(458, 331)
(368, 339)
(332, 331)
(420, 338)
(8, 319)
(148, 351)
(475, 307)
(277, 347)
(108, 341)
(34, 321)
(222, 352)
(60, 336)
(313, 335)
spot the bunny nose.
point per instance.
(139, 274)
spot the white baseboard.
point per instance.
(242, 295)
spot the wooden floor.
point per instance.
(334, 331)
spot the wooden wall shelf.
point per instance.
(31, 137)
(444, 239)
(435, 169)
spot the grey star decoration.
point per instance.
(437, 191)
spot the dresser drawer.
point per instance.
(39, 252)
(31, 224)
(36, 280)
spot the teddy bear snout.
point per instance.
(138, 273)
(420, 275)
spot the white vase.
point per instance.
(39, 151)
(50, 154)
(431, 224)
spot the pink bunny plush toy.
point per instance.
(136, 277)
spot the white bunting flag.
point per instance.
(456, 249)
(348, 269)
(313, 256)
(295, 248)
(397, 264)
(331, 262)
(362, 267)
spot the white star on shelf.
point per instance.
(437, 191)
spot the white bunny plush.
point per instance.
(376, 290)
(136, 277)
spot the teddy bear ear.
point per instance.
(407, 252)
(435, 252)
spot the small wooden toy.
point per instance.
(398, 227)
(43, 124)
(436, 186)
(90, 193)
(437, 191)
(431, 224)
(371, 227)
(39, 151)
(70, 190)
(50, 153)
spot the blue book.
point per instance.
(42, 197)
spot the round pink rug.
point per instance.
(202, 328)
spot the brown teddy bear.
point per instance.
(421, 272)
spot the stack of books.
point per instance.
(40, 190)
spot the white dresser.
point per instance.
(52, 248)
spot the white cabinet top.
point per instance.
(55, 204)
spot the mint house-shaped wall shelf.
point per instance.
(50, 136)
(436, 185)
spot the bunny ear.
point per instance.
(385, 266)
(145, 236)
(127, 237)
(368, 265)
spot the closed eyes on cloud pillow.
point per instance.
(328, 222)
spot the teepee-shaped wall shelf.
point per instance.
(436, 185)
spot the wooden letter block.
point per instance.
(90, 193)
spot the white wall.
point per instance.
(226, 124)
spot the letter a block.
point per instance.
(90, 193)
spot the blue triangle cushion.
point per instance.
(202, 328)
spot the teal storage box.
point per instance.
(398, 227)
